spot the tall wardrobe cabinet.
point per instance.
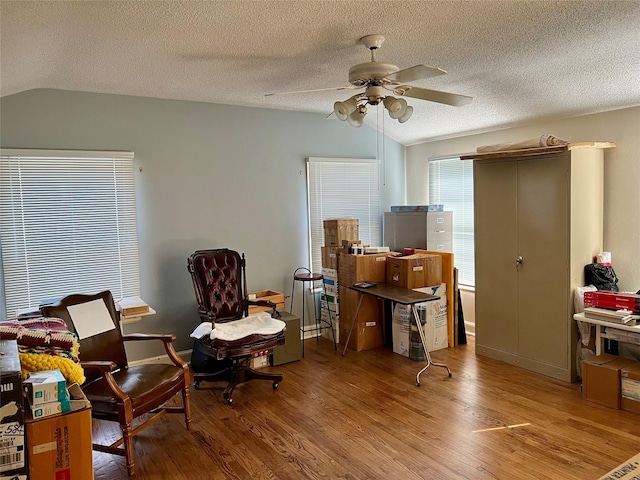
(538, 222)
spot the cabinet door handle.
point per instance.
(518, 262)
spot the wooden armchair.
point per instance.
(117, 391)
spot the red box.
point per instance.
(612, 300)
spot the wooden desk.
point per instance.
(600, 326)
(403, 296)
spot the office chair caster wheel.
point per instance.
(228, 401)
(196, 385)
(275, 385)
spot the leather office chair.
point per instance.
(117, 391)
(219, 280)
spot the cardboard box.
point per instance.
(338, 229)
(330, 273)
(260, 360)
(601, 379)
(45, 387)
(365, 335)
(630, 387)
(12, 429)
(330, 256)
(50, 408)
(433, 316)
(60, 446)
(270, 295)
(360, 268)
(414, 271)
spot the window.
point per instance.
(67, 225)
(342, 188)
(451, 184)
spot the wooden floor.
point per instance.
(362, 417)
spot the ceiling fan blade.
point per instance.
(417, 72)
(348, 87)
(433, 95)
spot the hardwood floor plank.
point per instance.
(362, 417)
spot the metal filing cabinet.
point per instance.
(426, 230)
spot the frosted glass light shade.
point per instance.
(395, 106)
(356, 118)
(406, 115)
(344, 109)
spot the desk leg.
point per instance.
(353, 322)
(423, 338)
(599, 339)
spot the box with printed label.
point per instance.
(433, 317)
(330, 257)
(60, 445)
(12, 436)
(46, 386)
(50, 408)
(630, 387)
(414, 271)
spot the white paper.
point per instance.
(91, 318)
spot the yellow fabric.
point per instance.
(37, 362)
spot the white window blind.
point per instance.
(67, 225)
(451, 184)
(342, 188)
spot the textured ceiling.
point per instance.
(521, 61)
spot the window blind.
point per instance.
(67, 225)
(451, 184)
(342, 188)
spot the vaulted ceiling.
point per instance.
(521, 61)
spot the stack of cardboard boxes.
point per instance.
(342, 269)
(45, 431)
(612, 381)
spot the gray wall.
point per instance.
(207, 176)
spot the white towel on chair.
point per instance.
(255, 324)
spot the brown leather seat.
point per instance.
(219, 280)
(117, 391)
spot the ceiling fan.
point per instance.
(380, 82)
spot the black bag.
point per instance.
(601, 276)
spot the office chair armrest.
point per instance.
(167, 339)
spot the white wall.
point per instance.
(622, 175)
(207, 176)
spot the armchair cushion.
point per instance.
(143, 384)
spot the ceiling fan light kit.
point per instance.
(377, 79)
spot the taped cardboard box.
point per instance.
(365, 335)
(414, 271)
(360, 268)
(338, 229)
(60, 445)
(601, 379)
